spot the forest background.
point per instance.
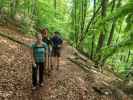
(100, 29)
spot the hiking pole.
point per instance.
(48, 58)
(45, 64)
(51, 62)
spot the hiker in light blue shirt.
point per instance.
(39, 51)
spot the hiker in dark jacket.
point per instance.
(56, 49)
(45, 37)
(48, 42)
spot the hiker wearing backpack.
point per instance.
(56, 41)
(39, 51)
(48, 42)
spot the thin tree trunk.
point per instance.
(128, 56)
(1, 4)
(84, 5)
(93, 35)
(100, 41)
(55, 6)
(13, 7)
(111, 32)
(89, 24)
(82, 15)
(29, 8)
(102, 34)
(34, 7)
(79, 19)
(113, 24)
(84, 11)
(113, 5)
(75, 22)
(104, 7)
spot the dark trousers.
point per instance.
(40, 67)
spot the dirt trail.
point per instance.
(65, 84)
(69, 83)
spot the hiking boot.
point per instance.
(34, 88)
(46, 72)
(49, 72)
(57, 67)
(42, 84)
(51, 67)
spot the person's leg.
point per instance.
(53, 57)
(46, 65)
(50, 58)
(58, 62)
(58, 58)
(51, 62)
(34, 75)
(41, 70)
(48, 68)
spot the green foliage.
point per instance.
(27, 26)
(81, 23)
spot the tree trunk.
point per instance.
(111, 33)
(102, 35)
(93, 35)
(128, 56)
(100, 41)
(55, 6)
(89, 24)
(34, 10)
(83, 11)
(104, 7)
(75, 23)
(13, 7)
(113, 24)
(113, 5)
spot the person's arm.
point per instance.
(32, 53)
(51, 41)
(29, 46)
(32, 57)
(46, 51)
(60, 42)
(45, 45)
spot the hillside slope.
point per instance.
(71, 82)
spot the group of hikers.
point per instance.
(46, 56)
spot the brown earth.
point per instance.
(71, 82)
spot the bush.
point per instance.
(27, 25)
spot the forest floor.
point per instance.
(70, 82)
